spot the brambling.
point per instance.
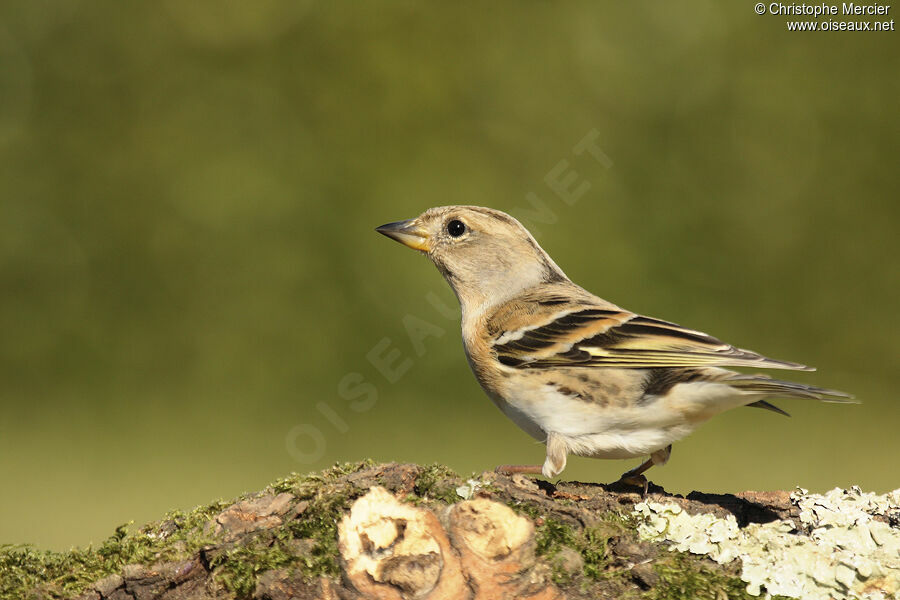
(574, 371)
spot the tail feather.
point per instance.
(762, 384)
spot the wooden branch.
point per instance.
(406, 532)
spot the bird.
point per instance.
(574, 371)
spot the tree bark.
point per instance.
(404, 532)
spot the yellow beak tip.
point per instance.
(406, 233)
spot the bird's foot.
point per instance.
(636, 477)
(636, 480)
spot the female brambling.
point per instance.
(574, 371)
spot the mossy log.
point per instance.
(403, 532)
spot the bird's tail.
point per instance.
(766, 386)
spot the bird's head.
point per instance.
(485, 255)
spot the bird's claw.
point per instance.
(637, 481)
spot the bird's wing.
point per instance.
(590, 335)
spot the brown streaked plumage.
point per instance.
(571, 369)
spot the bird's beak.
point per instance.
(407, 233)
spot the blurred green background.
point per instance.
(188, 192)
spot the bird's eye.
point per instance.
(456, 228)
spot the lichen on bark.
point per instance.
(840, 545)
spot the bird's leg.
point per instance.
(553, 466)
(513, 469)
(636, 476)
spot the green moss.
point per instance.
(319, 523)
(686, 576)
(241, 566)
(683, 577)
(593, 548)
(529, 510)
(552, 535)
(181, 534)
(61, 574)
(296, 481)
(328, 499)
(437, 482)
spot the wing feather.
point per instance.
(594, 336)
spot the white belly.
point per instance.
(592, 430)
(640, 442)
